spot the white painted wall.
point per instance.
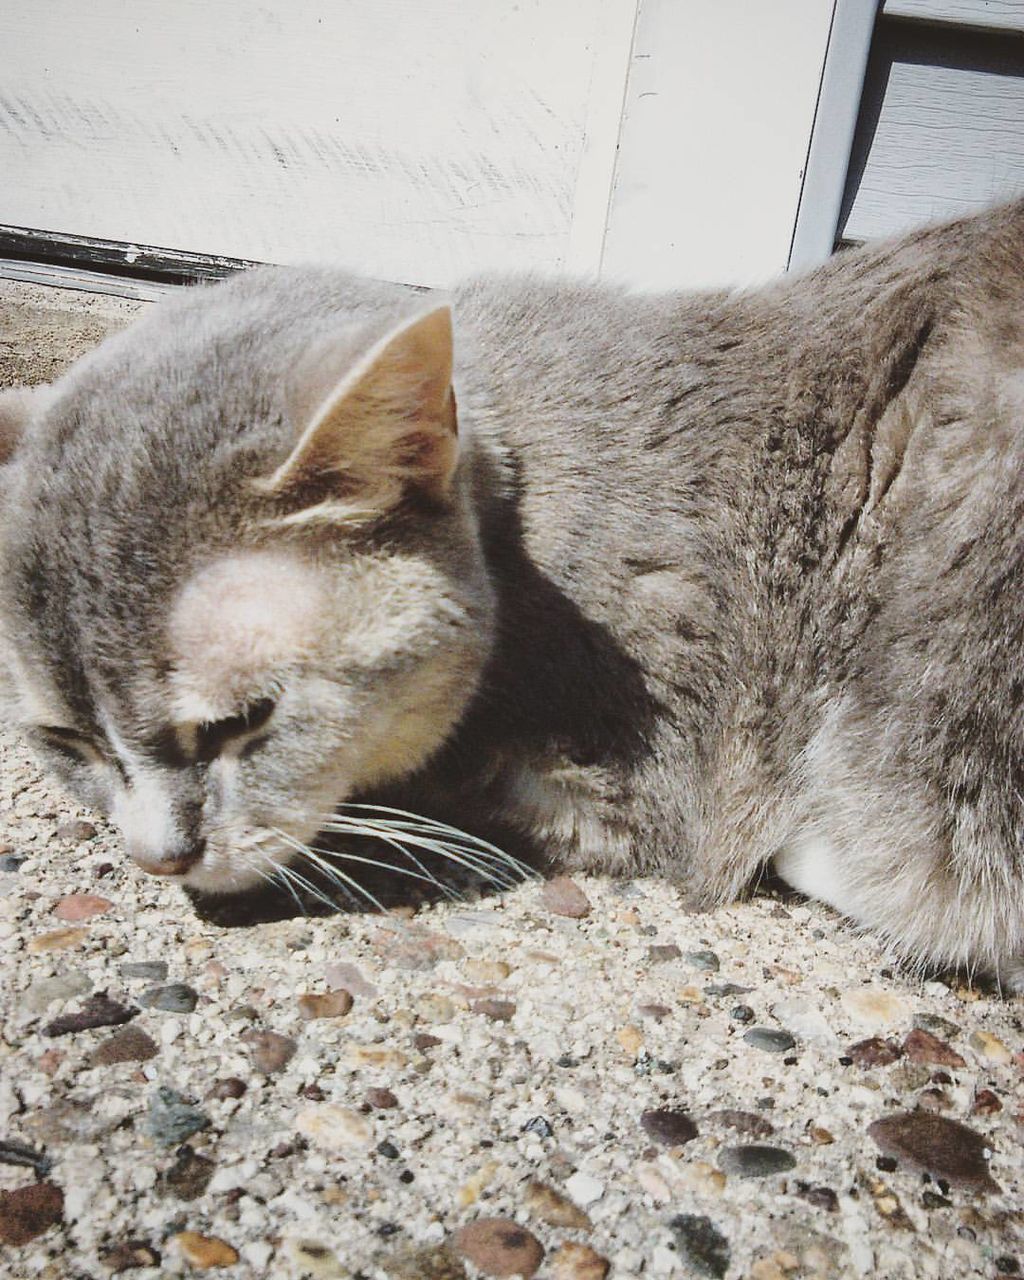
(718, 119)
(418, 140)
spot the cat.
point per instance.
(672, 585)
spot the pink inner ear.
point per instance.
(388, 424)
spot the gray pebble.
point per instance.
(742, 1013)
(176, 997)
(151, 970)
(725, 989)
(936, 1026)
(45, 991)
(12, 861)
(171, 1118)
(702, 1246)
(769, 1039)
(706, 960)
(755, 1161)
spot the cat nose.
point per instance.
(175, 862)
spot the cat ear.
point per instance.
(388, 427)
(19, 406)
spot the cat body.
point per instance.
(673, 585)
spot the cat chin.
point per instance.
(219, 881)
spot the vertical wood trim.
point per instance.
(606, 99)
(835, 120)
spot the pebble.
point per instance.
(823, 1197)
(413, 948)
(98, 1011)
(151, 970)
(769, 1039)
(486, 970)
(228, 1087)
(75, 829)
(671, 1127)
(988, 1046)
(584, 1189)
(130, 1045)
(380, 1099)
(270, 1051)
(875, 1052)
(500, 1247)
(923, 1047)
(334, 1128)
(496, 1010)
(742, 1013)
(985, 1103)
(748, 1123)
(874, 1007)
(755, 1161)
(562, 896)
(427, 1262)
(43, 992)
(702, 1246)
(172, 1118)
(76, 907)
(57, 940)
(18, 1153)
(175, 997)
(940, 1146)
(311, 1258)
(544, 1202)
(205, 1252)
(334, 1004)
(936, 1025)
(188, 1177)
(127, 1255)
(29, 1211)
(631, 1038)
(11, 862)
(706, 960)
(347, 977)
(573, 1261)
(662, 953)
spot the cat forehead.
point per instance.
(235, 621)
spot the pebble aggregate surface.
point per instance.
(554, 1082)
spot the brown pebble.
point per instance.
(922, 1047)
(380, 1099)
(548, 1205)
(424, 1041)
(496, 1010)
(985, 1103)
(819, 1135)
(57, 940)
(130, 1045)
(659, 1012)
(50, 1061)
(75, 907)
(822, 1197)
(874, 1052)
(335, 1004)
(562, 896)
(188, 1177)
(205, 1252)
(76, 829)
(98, 1011)
(934, 1100)
(414, 948)
(126, 1255)
(29, 1211)
(425, 1262)
(661, 953)
(228, 1087)
(271, 1052)
(572, 1261)
(940, 1146)
(670, 1126)
(747, 1123)
(500, 1247)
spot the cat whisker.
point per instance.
(452, 894)
(472, 860)
(346, 882)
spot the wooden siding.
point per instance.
(941, 130)
(996, 15)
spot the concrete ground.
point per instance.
(566, 1082)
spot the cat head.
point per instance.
(241, 573)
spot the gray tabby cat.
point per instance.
(668, 585)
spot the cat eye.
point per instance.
(213, 737)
